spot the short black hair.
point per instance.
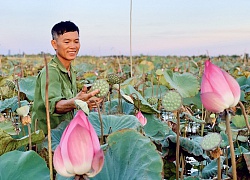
(63, 27)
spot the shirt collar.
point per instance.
(61, 67)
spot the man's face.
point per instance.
(67, 46)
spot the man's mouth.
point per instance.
(72, 52)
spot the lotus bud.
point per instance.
(219, 90)
(141, 118)
(79, 151)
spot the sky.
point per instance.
(158, 27)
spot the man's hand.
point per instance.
(93, 102)
(90, 98)
(64, 106)
(84, 96)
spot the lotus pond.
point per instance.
(178, 139)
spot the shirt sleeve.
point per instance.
(55, 89)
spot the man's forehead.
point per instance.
(69, 35)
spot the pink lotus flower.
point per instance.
(79, 151)
(141, 118)
(219, 90)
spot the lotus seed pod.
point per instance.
(152, 100)
(211, 141)
(171, 101)
(102, 85)
(10, 84)
(114, 79)
(159, 72)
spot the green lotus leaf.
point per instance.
(239, 121)
(186, 84)
(158, 91)
(191, 178)
(130, 155)
(192, 147)
(155, 128)
(239, 151)
(224, 142)
(111, 107)
(236, 132)
(194, 119)
(4, 79)
(112, 123)
(7, 143)
(11, 103)
(195, 100)
(56, 135)
(27, 86)
(211, 169)
(23, 165)
(8, 127)
(139, 100)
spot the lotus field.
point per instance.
(161, 118)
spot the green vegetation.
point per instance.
(163, 88)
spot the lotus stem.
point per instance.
(158, 85)
(48, 118)
(152, 84)
(177, 146)
(238, 145)
(101, 124)
(219, 169)
(182, 165)
(202, 118)
(226, 151)
(244, 114)
(230, 138)
(19, 105)
(103, 106)
(119, 100)
(1, 92)
(130, 36)
(29, 131)
(188, 69)
(118, 61)
(109, 99)
(1, 63)
(81, 177)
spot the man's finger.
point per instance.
(84, 89)
(93, 93)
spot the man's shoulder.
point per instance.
(52, 68)
(53, 64)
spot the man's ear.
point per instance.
(54, 44)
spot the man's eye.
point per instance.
(66, 42)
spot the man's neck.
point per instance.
(65, 63)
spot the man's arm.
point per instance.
(64, 106)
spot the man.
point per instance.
(62, 80)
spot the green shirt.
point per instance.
(61, 86)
